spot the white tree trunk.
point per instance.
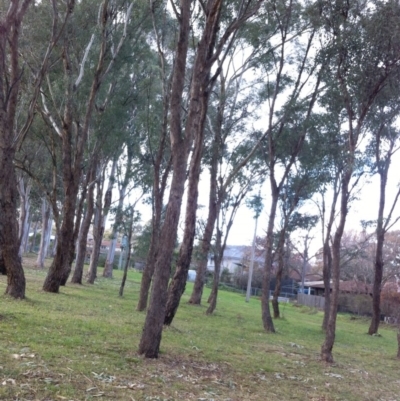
(24, 192)
(47, 222)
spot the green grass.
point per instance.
(82, 344)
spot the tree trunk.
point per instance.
(266, 313)
(152, 331)
(213, 211)
(327, 253)
(61, 261)
(10, 78)
(398, 344)
(148, 270)
(100, 220)
(97, 236)
(200, 84)
(33, 241)
(212, 299)
(178, 284)
(9, 241)
(83, 232)
(24, 192)
(379, 263)
(108, 268)
(109, 265)
(326, 273)
(327, 346)
(128, 257)
(279, 273)
(46, 233)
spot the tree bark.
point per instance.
(178, 283)
(213, 211)
(83, 233)
(100, 220)
(108, 268)
(266, 313)
(380, 239)
(212, 300)
(398, 344)
(128, 256)
(24, 192)
(327, 346)
(10, 76)
(9, 241)
(152, 331)
(46, 233)
(279, 273)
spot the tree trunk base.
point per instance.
(275, 308)
(108, 270)
(326, 354)
(398, 345)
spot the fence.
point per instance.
(313, 301)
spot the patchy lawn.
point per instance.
(81, 345)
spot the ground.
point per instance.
(81, 345)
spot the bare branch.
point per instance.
(82, 66)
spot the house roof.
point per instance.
(238, 252)
(351, 286)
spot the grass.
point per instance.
(81, 345)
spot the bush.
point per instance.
(359, 304)
(390, 304)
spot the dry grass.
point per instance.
(81, 345)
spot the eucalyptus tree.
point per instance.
(229, 200)
(155, 124)
(299, 186)
(212, 44)
(384, 144)
(90, 46)
(11, 133)
(24, 190)
(232, 106)
(355, 79)
(140, 132)
(293, 69)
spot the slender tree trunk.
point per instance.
(97, 236)
(327, 346)
(24, 192)
(279, 273)
(33, 242)
(3, 271)
(178, 283)
(10, 78)
(151, 336)
(213, 211)
(326, 273)
(266, 313)
(9, 241)
(83, 233)
(327, 253)
(398, 344)
(128, 257)
(158, 191)
(148, 270)
(379, 263)
(61, 261)
(46, 233)
(77, 226)
(100, 220)
(212, 300)
(108, 268)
